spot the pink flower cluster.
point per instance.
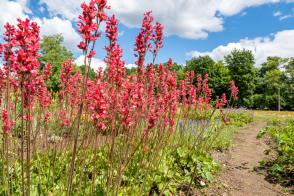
(20, 54)
(234, 90)
(222, 102)
(26, 39)
(113, 101)
(142, 42)
(7, 124)
(198, 95)
(93, 14)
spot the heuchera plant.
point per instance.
(140, 108)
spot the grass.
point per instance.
(265, 115)
(237, 118)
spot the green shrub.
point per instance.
(281, 169)
(239, 117)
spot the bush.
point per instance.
(239, 117)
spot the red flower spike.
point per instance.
(234, 90)
(6, 127)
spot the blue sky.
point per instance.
(192, 27)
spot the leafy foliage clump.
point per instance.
(239, 117)
(281, 169)
(176, 169)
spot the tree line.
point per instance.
(266, 86)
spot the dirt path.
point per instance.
(237, 177)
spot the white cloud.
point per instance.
(57, 25)
(186, 18)
(42, 8)
(243, 13)
(283, 17)
(280, 44)
(24, 5)
(121, 33)
(286, 17)
(10, 10)
(277, 13)
(95, 64)
(67, 8)
(130, 66)
(232, 7)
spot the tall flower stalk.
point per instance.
(90, 20)
(21, 56)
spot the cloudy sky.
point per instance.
(192, 27)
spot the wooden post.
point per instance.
(279, 99)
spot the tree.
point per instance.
(92, 73)
(288, 92)
(272, 63)
(289, 68)
(271, 85)
(53, 52)
(131, 71)
(219, 77)
(200, 65)
(180, 71)
(241, 67)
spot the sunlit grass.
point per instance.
(265, 115)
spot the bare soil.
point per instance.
(238, 177)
